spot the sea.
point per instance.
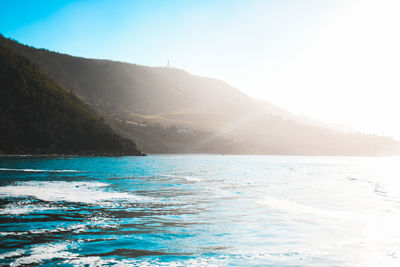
(200, 210)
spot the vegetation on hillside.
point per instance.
(38, 116)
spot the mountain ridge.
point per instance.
(167, 110)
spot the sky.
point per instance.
(336, 61)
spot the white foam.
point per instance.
(35, 170)
(187, 178)
(11, 254)
(98, 261)
(81, 192)
(222, 260)
(22, 208)
(41, 253)
(76, 228)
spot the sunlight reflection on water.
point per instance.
(200, 210)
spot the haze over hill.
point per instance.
(167, 110)
(37, 116)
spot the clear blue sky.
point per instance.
(332, 60)
(146, 32)
(151, 32)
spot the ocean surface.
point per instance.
(200, 210)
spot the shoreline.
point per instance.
(171, 154)
(71, 155)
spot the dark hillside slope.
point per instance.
(166, 110)
(37, 116)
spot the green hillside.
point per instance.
(38, 116)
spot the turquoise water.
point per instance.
(191, 210)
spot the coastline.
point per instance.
(74, 155)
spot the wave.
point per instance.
(93, 223)
(187, 178)
(35, 170)
(79, 192)
(40, 253)
(12, 254)
(76, 228)
(253, 258)
(24, 208)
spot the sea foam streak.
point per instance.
(187, 178)
(41, 253)
(83, 192)
(24, 208)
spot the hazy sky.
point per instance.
(337, 61)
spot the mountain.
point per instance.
(167, 110)
(38, 116)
